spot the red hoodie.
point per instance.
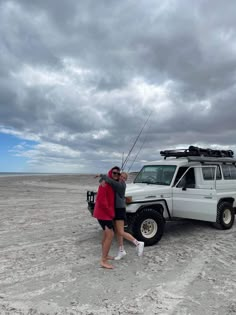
(105, 202)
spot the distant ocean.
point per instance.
(24, 174)
(36, 174)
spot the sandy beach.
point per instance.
(50, 249)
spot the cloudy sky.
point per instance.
(80, 79)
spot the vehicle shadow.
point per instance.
(186, 227)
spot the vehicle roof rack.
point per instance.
(206, 159)
(197, 152)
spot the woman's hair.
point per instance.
(124, 174)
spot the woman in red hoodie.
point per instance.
(104, 212)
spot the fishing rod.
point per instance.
(137, 154)
(126, 159)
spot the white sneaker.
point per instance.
(140, 248)
(120, 255)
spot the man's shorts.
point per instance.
(106, 223)
(120, 214)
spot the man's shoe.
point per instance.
(140, 248)
(120, 255)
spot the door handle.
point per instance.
(208, 197)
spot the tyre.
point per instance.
(148, 226)
(225, 216)
(128, 223)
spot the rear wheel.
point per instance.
(225, 216)
(148, 226)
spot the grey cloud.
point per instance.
(22, 41)
(190, 44)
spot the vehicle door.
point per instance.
(192, 201)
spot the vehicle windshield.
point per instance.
(156, 174)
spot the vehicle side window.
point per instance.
(229, 171)
(179, 174)
(208, 173)
(188, 181)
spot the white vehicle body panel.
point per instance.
(199, 203)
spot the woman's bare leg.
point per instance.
(120, 240)
(119, 225)
(121, 233)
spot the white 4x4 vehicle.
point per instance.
(195, 183)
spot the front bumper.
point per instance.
(91, 197)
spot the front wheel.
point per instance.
(225, 216)
(148, 226)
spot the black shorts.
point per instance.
(120, 214)
(106, 223)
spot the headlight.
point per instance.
(128, 199)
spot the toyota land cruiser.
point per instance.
(193, 183)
